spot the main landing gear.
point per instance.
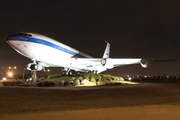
(34, 67)
(93, 71)
(66, 72)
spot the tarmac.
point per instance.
(155, 112)
(164, 112)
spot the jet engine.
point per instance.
(103, 62)
(144, 63)
(32, 66)
(107, 63)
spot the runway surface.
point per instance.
(155, 112)
(165, 112)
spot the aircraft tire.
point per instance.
(63, 73)
(70, 73)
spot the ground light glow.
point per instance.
(10, 74)
(129, 78)
(107, 82)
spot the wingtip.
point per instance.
(106, 42)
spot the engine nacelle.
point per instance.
(103, 62)
(144, 63)
(107, 63)
(32, 66)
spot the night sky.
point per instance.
(134, 28)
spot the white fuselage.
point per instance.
(47, 50)
(51, 53)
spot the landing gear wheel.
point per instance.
(70, 73)
(34, 67)
(67, 73)
(63, 73)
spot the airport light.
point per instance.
(10, 74)
(12, 70)
(129, 78)
(4, 78)
(30, 79)
(46, 71)
(11, 67)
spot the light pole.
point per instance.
(14, 71)
(44, 71)
(23, 72)
(2, 71)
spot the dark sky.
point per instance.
(134, 28)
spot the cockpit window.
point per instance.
(29, 35)
(25, 34)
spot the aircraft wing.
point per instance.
(100, 64)
(114, 62)
(123, 61)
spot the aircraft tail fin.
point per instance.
(107, 51)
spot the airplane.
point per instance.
(47, 52)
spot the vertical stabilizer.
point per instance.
(107, 50)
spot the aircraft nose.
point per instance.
(8, 38)
(11, 40)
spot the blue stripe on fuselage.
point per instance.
(43, 42)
